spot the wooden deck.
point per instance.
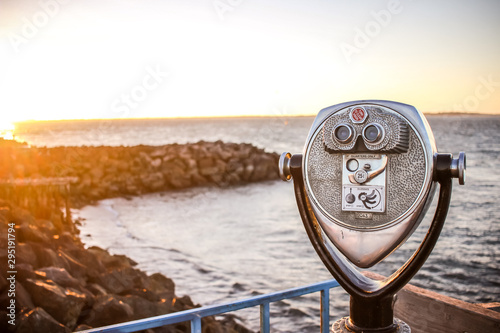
(429, 312)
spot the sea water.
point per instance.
(226, 244)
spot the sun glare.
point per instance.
(7, 130)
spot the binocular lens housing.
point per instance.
(343, 133)
(373, 133)
(368, 174)
(368, 196)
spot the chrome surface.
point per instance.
(359, 237)
(284, 166)
(392, 130)
(341, 326)
(458, 167)
(369, 175)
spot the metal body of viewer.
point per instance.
(365, 180)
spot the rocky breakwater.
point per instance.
(104, 172)
(50, 283)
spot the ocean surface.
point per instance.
(226, 244)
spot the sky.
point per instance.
(96, 59)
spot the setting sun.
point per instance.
(6, 130)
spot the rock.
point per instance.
(145, 293)
(9, 300)
(180, 181)
(39, 321)
(96, 173)
(47, 226)
(25, 271)
(47, 257)
(219, 180)
(260, 171)
(96, 193)
(249, 168)
(145, 157)
(119, 281)
(141, 308)
(156, 163)
(69, 242)
(23, 297)
(223, 154)
(229, 323)
(236, 166)
(74, 266)
(190, 162)
(184, 303)
(122, 165)
(233, 179)
(90, 260)
(4, 324)
(85, 181)
(175, 166)
(82, 327)
(60, 276)
(208, 166)
(197, 179)
(26, 255)
(96, 289)
(31, 233)
(154, 181)
(243, 152)
(158, 153)
(161, 286)
(108, 310)
(111, 261)
(3, 282)
(64, 305)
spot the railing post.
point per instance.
(264, 318)
(196, 325)
(325, 310)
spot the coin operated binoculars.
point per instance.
(364, 182)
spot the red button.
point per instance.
(358, 114)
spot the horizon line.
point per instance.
(440, 113)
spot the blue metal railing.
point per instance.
(195, 315)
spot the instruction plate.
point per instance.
(358, 198)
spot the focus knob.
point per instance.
(458, 167)
(284, 166)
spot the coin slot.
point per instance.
(352, 165)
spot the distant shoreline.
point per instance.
(467, 114)
(427, 114)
